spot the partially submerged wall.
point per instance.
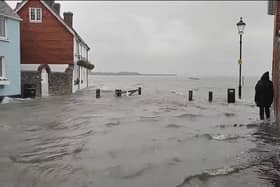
(31, 78)
(60, 83)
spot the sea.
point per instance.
(156, 139)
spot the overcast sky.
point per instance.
(183, 37)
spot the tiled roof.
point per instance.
(6, 10)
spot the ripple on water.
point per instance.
(51, 148)
(188, 115)
(218, 137)
(112, 124)
(208, 174)
(149, 118)
(175, 126)
(227, 114)
(129, 172)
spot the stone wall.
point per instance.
(33, 78)
(60, 83)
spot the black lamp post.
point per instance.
(240, 27)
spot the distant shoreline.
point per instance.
(129, 74)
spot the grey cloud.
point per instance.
(184, 37)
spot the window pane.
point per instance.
(1, 64)
(2, 27)
(38, 14)
(32, 12)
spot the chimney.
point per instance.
(50, 2)
(18, 5)
(56, 7)
(68, 18)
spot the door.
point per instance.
(44, 83)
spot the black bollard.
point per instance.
(118, 93)
(231, 95)
(139, 91)
(97, 93)
(210, 99)
(190, 95)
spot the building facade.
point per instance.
(54, 58)
(9, 51)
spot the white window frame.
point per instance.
(5, 25)
(36, 20)
(3, 67)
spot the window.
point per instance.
(77, 48)
(2, 68)
(35, 15)
(3, 27)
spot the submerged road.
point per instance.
(157, 139)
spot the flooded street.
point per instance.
(158, 139)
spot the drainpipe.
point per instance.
(87, 69)
(79, 70)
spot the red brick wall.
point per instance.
(48, 42)
(275, 65)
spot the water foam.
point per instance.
(207, 174)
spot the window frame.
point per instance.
(36, 20)
(2, 61)
(5, 27)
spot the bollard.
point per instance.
(210, 99)
(231, 95)
(190, 95)
(118, 93)
(139, 91)
(97, 93)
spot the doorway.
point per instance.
(44, 83)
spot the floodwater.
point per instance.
(158, 139)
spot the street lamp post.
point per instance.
(240, 27)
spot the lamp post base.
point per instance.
(239, 92)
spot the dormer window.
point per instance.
(3, 32)
(35, 15)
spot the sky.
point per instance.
(194, 38)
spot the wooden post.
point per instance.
(210, 99)
(190, 95)
(139, 91)
(97, 93)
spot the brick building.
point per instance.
(54, 58)
(274, 9)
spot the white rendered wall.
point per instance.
(80, 52)
(53, 67)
